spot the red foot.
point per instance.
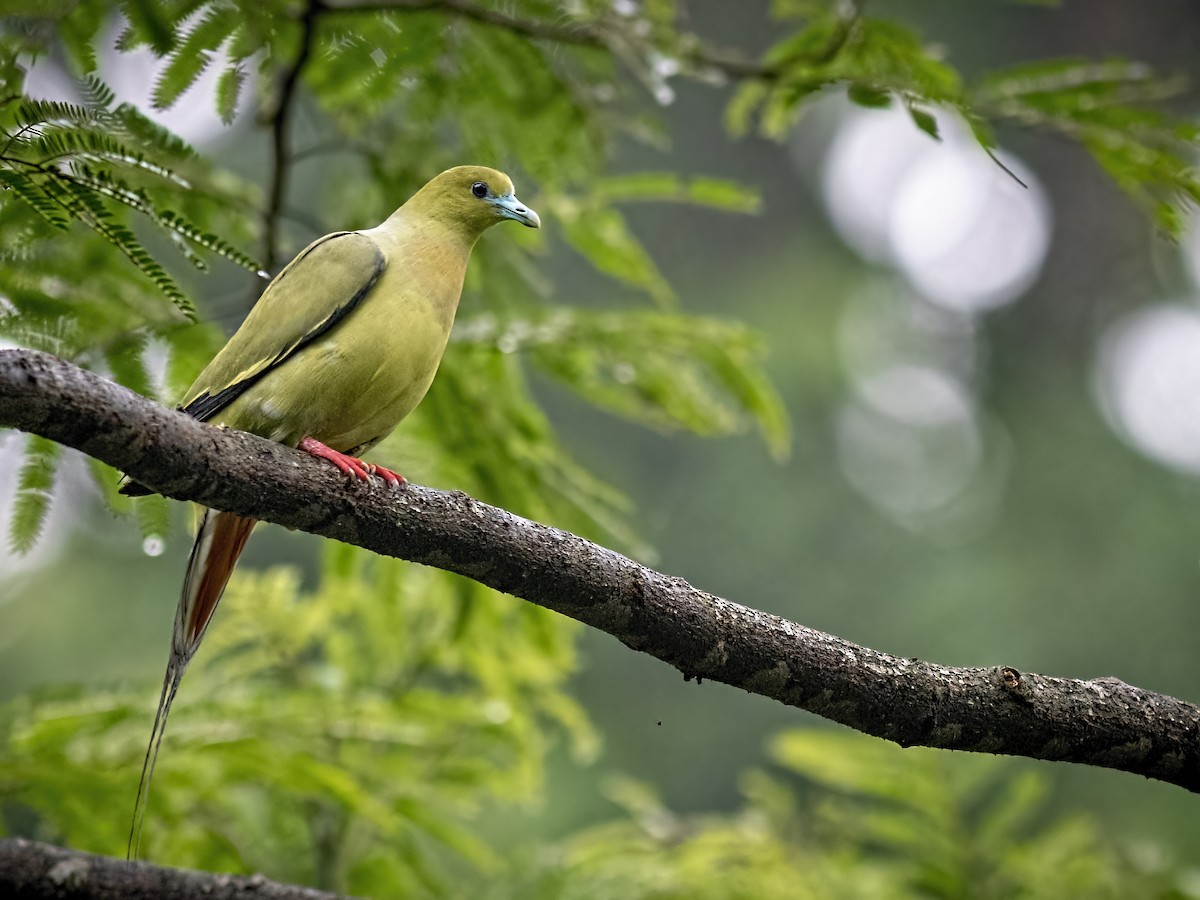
(351, 465)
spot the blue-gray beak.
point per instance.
(512, 208)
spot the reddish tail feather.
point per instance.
(219, 542)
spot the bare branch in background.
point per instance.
(280, 122)
(30, 870)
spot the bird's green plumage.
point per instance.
(341, 346)
(345, 264)
(345, 341)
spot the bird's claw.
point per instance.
(350, 465)
(395, 479)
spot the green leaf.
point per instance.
(107, 480)
(79, 33)
(603, 237)
(1105, 106)
(126, 361)
(870, 97)
(672, 187)
(150, 23)
(925, 121)
(875, 59)
(96, 94)
(193, 55)
(87, 206)
(35, 485)
(229, 89)
(667, 371)
(747, 100)
(179, 225)
(153, 519)
(36, 198)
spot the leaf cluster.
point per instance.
(411, 78)
(370, 719)
(381, 765)
(1112, 108)
(91, 162)
(1105, 107)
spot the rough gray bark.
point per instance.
(1103, 722)
(33, 871)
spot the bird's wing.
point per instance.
(316, 290)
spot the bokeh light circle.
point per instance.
(910, 442)
(965, 234)
(959, 228)
(864, 168)
(1148, 378)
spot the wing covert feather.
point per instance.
(314, 292)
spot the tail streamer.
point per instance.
(219, 542)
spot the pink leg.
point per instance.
(351, 465)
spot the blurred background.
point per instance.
(995, 396)
(994, 391)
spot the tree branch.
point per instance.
(1102, 722)
(29, 870)
(280, 123)
(577, 34)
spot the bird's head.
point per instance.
(472, 198)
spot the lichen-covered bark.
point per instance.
(1102, 722)
(31, 870)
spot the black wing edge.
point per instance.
(205, 406)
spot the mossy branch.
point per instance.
(995, 709)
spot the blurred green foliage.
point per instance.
(845, 817)
(352, 732)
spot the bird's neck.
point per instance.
(432, 256)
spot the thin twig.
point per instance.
(280, 144)
(578, 34)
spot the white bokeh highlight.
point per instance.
(965, 234)
(132, 76)
(961, 237)
(959, 228)
(864, 169)
(919, 455)
(1148, 379)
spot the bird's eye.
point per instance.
(479, 189)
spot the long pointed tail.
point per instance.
(219, 542)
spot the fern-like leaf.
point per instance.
(32, 112)
(1103, 105)
(126, 358)
(229, 90)
(150, 24)
(179, 227)
(96, 94)
(664, 370)
(54, 142)
(34, 492)
(190, 59)
(87, 206)
(208, 241)
(33, 195)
